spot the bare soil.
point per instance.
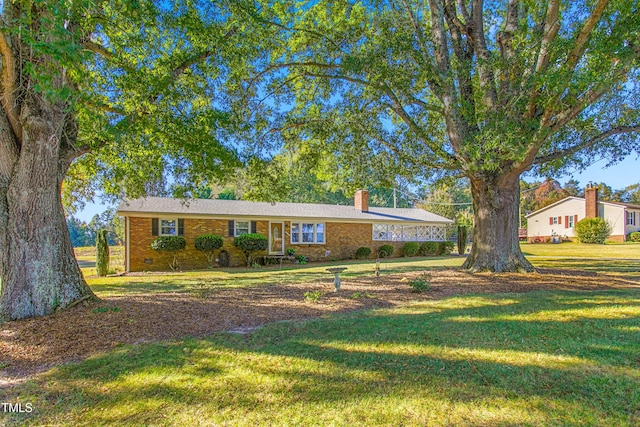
(34, 345)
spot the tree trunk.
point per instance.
(495, 232)
(38, 269)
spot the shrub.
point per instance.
(421, 283)
(102, 253)
(410, 248)
(462, 239)
(250, 244)
(445, 248)
(386, 251)
(208, 243)
(363, 252)
(593, 230)
(301, 259)
(171, 244)
(634, 237)
(429, 248)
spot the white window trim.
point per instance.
(315, 233)
(235, 228)
(160, 233)
(632, 218)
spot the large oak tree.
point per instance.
(123, 92)
(482, 89)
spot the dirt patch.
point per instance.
(34, 345)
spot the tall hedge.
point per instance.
(171, 244)
(462, 239)
(593, 230)
(208, 243)
(102, 253)
(250, 244)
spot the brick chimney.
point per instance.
(361, 200)
(591, 198)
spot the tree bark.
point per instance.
(495, 234)
(38, 269)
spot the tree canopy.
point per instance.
(483, 89)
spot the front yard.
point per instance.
(251, 347)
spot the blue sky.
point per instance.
(617, 176)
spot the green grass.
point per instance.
(193, 281)
(621, 259)
(627, 250)
(542, 358)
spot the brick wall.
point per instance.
(143, 258)
(342, 241)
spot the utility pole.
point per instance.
(395, 202)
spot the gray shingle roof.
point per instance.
(241, 208)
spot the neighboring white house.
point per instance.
(559, 218)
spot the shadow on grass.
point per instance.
(560, 357)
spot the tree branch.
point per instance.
(98, 49)
(9, 85)
(484, 57)
(421, 41)
(586, 144)
(583, 36)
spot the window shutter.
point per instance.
(154, 226)
(575, 220)
(180, 226)
(254, 227)
(550, 220)
(232, 228)
(566, 221)
(559, 220)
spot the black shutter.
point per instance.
(154, 226)
(254, 227)
(180, 226)
(232, 228)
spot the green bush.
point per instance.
(363, 252)
(386, 251)
(593, 230)
(208, 243)
(445, 248)
(429, 248)
(410, 248)
(421, 283)
(171, 244)
(250, 244)
(634, 237)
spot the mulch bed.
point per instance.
(34, 345)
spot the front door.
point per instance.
(276, 238)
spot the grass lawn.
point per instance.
(613, 258)
(541, 358)
(627, 250)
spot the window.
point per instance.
(631, 218)
(570, 221)
(408, 233)
(242, 227)
(307, 232)
(168, 227)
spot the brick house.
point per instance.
(559, 219)
(314, 230)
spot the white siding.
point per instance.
(538, 223)
(632, 228)
(615, 216)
